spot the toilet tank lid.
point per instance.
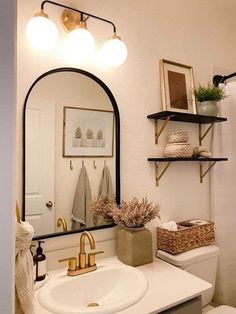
(189, 257)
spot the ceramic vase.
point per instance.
(208, 108)
(134, 246)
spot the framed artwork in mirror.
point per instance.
(177, 84)
(88, 132)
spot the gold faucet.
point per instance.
(61, 222)
(83, 266)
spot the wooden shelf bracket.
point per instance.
(203, 135)
(159, 174)
(202, 172)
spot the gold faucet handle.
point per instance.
(91, 257)
(72, 262)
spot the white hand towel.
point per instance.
(170, 225)
(105, 186)
(81, 213)
(105, 189)
(24, 283)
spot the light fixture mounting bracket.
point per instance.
(70, 19)
(79, 12)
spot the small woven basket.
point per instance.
(178, 150)
(178, 137)
(185, 238)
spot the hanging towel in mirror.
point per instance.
(105, 185)
(105, 189)
(81, 214)
(24, 282)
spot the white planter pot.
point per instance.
(99, 143)
(77, 142)
(208, 108)
(89, 142)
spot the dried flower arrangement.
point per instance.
(102, 205)
(134, 214)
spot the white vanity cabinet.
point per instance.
(193, 306)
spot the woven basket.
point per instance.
(186, 238)
(178, 137)
(178, 150)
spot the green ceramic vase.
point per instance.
(134, 246)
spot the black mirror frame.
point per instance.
(117, 143)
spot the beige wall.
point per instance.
(198, 33)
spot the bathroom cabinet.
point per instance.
(193, 306)
(167, 116)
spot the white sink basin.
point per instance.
(110, 289)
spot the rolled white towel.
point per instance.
(170, 225)
(198, 222)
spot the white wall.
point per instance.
(197, 33)
(7, 156)
(223, 200)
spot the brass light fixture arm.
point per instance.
(202, 136)
(159, 175)
(202, 173)
(79, 11)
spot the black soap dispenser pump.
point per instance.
(40, 262)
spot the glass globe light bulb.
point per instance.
(41, 32)
(114, 52)
(80, 43)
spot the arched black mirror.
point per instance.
(71, 151)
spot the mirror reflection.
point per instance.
(70, 155)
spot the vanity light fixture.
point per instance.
(43, 34)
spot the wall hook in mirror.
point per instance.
(94, 164)
(71, 165)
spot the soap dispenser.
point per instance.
(40, 262)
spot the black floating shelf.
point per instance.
(185, 117)
(164, 159)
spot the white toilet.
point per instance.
(202, 263)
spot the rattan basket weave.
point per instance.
(186, 238)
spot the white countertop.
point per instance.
(168, 286)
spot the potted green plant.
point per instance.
(99, 138)
(207, 98)
(78, 137)
(90, 137)
(134, 241)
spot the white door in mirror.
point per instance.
(40, 165)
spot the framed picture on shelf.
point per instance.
(88, 132)
(177, 84)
